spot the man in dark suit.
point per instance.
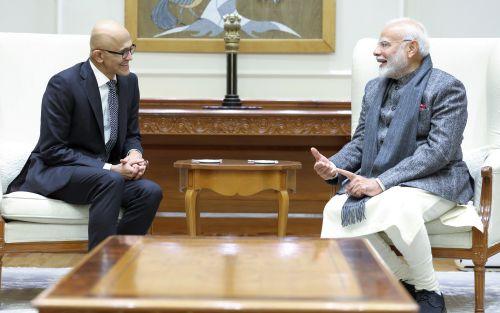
(89, 150)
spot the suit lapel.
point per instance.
(93, 95)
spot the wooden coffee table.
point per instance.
(224, 274)
(236, 177)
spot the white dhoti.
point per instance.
(405, 208)
(401, 213)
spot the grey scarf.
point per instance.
(401, 139)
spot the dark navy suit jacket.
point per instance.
(72, 132)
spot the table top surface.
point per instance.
(243, 165)
(229, 273)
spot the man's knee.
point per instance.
(151, 189)
(112, 179)
(334, 205)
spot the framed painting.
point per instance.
(267, 26)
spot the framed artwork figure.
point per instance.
(267, 26)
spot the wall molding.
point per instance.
(275, 118)
(324, 125)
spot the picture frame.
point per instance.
(319, 38)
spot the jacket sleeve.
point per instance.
(448, 120)
(133, 139)
(55, 125)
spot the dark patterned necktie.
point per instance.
(113, 116)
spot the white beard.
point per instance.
(395, 66)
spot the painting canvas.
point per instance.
(267, 26)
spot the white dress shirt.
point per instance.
(104, 92)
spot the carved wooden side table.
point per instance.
(236, 177)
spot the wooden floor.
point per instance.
(42, 259)
(70, 259)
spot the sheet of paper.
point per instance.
(263, 161)
(207, 160)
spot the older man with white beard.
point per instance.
(407, 158)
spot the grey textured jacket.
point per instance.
(437, 165)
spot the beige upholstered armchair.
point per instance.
(476, 62)
(30, 222)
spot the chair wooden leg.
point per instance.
(192, 215)
(479, 282)
(282, 212)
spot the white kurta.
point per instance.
(403, 207)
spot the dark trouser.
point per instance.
(107, 192)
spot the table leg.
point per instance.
(282, 212)
(192, 215)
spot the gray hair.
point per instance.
(413, 30)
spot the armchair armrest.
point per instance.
(490, 196)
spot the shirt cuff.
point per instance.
(380, 184)
(333, 180)
(335, 176)
(107, 166)
(133, 150)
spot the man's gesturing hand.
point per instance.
(359, 186)
(324, 167)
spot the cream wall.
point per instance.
(30, 16)
(457, 18)
(296, 77)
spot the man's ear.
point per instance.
(412, 49)
(97, 56)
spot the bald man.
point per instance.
(89, 150)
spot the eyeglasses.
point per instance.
(124, 53)
(387, 44)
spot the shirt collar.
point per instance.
(403, 80)
(99, 76)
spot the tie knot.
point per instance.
(111, 84)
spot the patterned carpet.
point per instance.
(20, 285)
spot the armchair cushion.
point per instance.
(13, 155)
(474, 159)
(436, 227)
(459, 240)
(37, 232)
(456, 240)
(32, 207)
